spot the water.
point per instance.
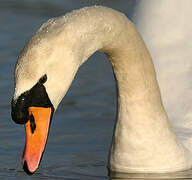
(81, 130)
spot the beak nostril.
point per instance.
(32, 123)
(26, 169)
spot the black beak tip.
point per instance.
(25, 168)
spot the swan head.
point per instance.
(43, 75)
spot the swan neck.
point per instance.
(143, 139)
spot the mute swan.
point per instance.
(143, 140)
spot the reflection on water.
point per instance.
(176, 175)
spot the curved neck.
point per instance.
(143, 139)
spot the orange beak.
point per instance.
(36, 136)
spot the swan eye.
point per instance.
(43, 79)
(19, 111)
